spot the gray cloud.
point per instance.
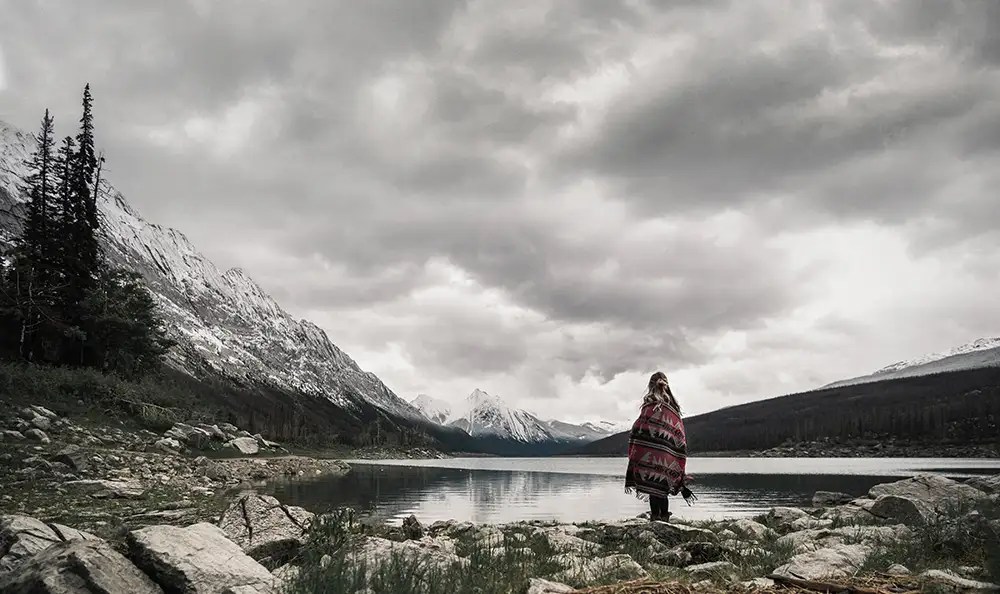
(556, 196)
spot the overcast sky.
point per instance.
(550, 200)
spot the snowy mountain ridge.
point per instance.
(220, 319)
(983, 352)
(482, 414)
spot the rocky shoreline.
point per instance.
(258, 545)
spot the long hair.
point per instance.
(659, 390)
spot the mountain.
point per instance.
(952, 408)
(226, 326)
(484, 415)
(984, 352)
(435, 410)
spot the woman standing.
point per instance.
(657, 450)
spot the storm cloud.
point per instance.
(551, 199)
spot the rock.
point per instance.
(675, 534)
(265, 529)
(897, 569)
(110, 489)
(750, 529)
(931, 491)
(246, 445)
(10, 435)
(760, 583)
(23, 536)
(432, 554)
(198, 559)
(719, 570)
(286, 574)
(412, 528)
(168, 445)
(43, 412)
(833, 562)
(566, 543)
(828, 498)
(78, 567)
(902, 509)
(73, 457)
(955, 582)
(809, 540)
(540, 586)
(192, 436)
(325, 561)
(229, 427)
(676, 557)
(37, 435)
(986, 484)
(784, 516)
(41, 422)
(810, 523)
(214, 432)
(612, 568)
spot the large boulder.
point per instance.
(37, 435)
(193, 436)
(24, 536)
(912, 512)
(986, 484)
(540, 586)
(246, 445)
(265, 529)
(931, 492)
(810, 540)
(110, 489)
(74, 457)
(11, 435)
(78, 567)
(611, 568)
(432, 554)
(831, 562)
(749, 529)
(198, 559)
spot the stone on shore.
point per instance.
(540, 586)
(412, 528)
(37, 435)
(748, 528)
(828, 498)
(198, 559)
(986, 484)
(24, 536)
(930, 490)
(912, 512)
(719, 570)
(956, 582)
(613, 567)
(265, 529)
(74, 457)
(436, 554)
(78, 567)
(246, 445)
(110, 489)
(832, 562)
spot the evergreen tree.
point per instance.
(28, 291)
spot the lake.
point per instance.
(498, 490)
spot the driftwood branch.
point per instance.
(833, 587)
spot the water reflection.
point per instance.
(577, 489)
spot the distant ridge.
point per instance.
(983, 352)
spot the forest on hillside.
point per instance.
(959, 407)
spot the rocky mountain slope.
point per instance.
(484, 415)
(984, 352)
(225, 324)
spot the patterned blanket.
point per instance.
(657, 453)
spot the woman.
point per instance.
(657, 450)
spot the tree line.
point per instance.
(61, 301)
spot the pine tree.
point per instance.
(29, 289)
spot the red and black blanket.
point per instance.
(657, 452)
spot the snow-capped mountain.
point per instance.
(482, 414)
(983, 352)
(435, 410)
(222, 320)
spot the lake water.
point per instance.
(497, 490)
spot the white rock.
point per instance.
(264, 528)
(198, 559)
(109, 489)
(77, 567)
(540, 586)
(748, 528)
(897, 569)
(23, 536)
(947, 578)
(986, 484)
(931, 490)
(612, 567)
(760, 583)
(722, 570)
(831, 562)
(564, 543)
(246, 445)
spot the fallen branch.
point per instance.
(831, 587)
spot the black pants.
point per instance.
(658, 506)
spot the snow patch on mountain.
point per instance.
(482, 414)
(222, 320)
(983, 352)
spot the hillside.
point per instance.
(273, 373)
(984, 352)
(956, 407)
